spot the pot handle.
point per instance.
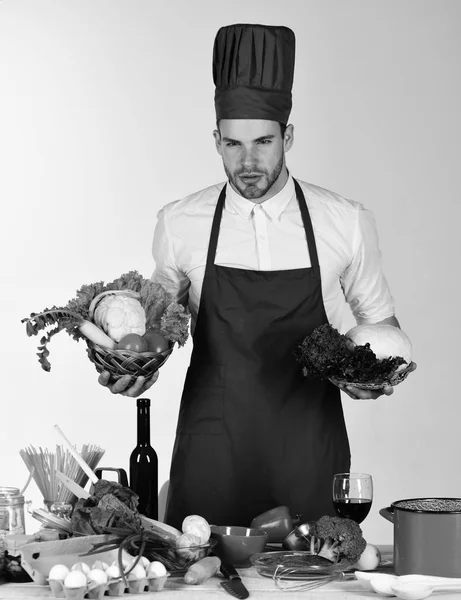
(122, 477)
(388, 513)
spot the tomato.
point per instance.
(155, 341)
(133, 342)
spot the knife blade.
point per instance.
(86, 467)
(76, 489)
(233, 585)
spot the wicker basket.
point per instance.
(126, 362)
(394, 380)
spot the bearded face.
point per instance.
(253, 154)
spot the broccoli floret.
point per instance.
(336, 538)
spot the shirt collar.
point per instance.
(273, 207)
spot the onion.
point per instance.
(386, 341)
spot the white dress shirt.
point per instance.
(270, 236)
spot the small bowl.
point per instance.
(299, 538)
(235, 544)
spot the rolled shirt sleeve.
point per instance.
(167, 273)
(365, 287)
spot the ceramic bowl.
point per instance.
(235, 544)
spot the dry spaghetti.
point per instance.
(43, 464)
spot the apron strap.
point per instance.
(215, 232)
(312, 247)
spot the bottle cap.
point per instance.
(143, 402)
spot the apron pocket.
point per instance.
(202, 402)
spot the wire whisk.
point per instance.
(296, 578)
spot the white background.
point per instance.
(106, 114)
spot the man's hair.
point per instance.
(283, 128)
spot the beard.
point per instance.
(262, 186)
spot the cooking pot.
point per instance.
(427, 536)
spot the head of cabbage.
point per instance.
(386, 341)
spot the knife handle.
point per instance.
(229, 571)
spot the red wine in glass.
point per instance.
(352, 495)
(352, 508)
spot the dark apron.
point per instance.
(253, 433)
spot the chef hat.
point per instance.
(253, 67)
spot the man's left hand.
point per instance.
(363, 394)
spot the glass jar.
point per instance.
(11, 517)
(11, 510)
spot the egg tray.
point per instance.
(126, 362)
(394, 380)
(116, 587)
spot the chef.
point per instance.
(261, 260)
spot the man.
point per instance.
(261, 261)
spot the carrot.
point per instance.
(202, 570)
(95, 334)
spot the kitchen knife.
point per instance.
(86, 468)
(233, 585)
(72, 486)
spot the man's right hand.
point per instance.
(123, 387)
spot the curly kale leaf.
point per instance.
(81, 303)
(111, 506)
(154, 299)
(174, 324)
(326, 353)
(61, 319)
(103, 487)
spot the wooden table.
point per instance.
(175, 589)
(259, 588)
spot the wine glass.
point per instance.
(352, 495)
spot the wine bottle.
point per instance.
(144, 464)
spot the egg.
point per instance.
(145, 562)
(138, 572)
(113, 572)
(97, 576)
(156, 569)
(81, 566)
(58, 573)
(75, 579)
(127, 560)
(100, 564)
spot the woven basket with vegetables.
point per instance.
(130, 325)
